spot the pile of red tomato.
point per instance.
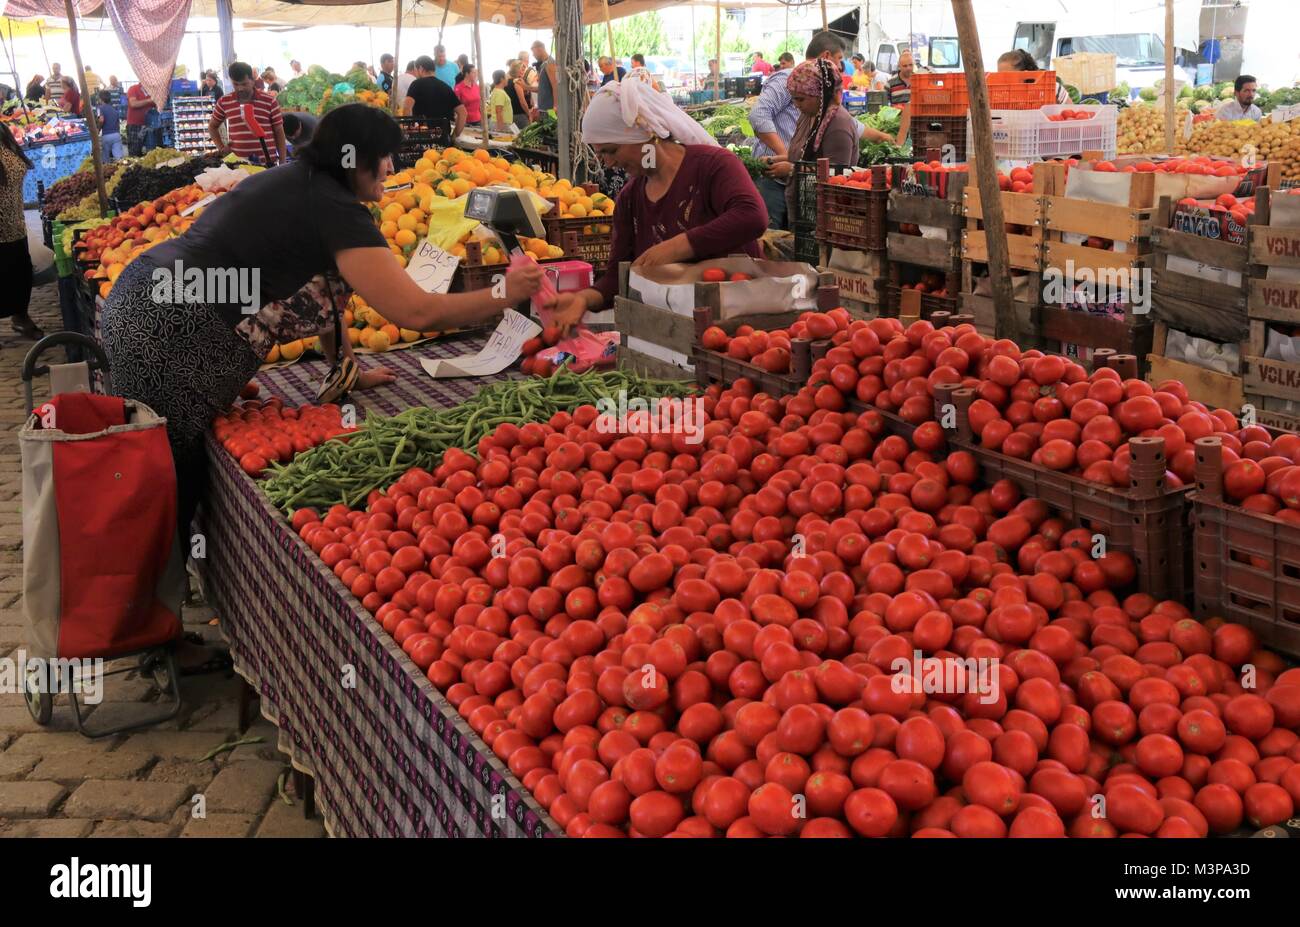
(703, 638)
(1203, 165)
(770, 350)
(259, 432)
(1260, 472)
(1071, 115)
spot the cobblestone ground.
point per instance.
(55, 782)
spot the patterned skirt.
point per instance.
(181, 360)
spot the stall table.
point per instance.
(389, 754)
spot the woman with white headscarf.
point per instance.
(686, 199)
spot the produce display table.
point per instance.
(67, 158)
(389, 755)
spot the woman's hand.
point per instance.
(375, 376)
(523, 282)
(672, 251)
(567, 309)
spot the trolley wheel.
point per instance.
(155, 666)
(40, 704)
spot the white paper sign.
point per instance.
(1192, 268)
(199, 204)
(431, 268)
(501, 350)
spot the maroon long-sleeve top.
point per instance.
(712, 199)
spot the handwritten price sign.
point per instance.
(431, 268)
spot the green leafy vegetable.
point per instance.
(746, 156)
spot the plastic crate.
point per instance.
(1247, 564)
(805, 193)
(1148, 520)
(852, 217)
(419, 135)
(1028, 135)
(941, 94)
(1021, 89)
(806, 246)
(935, 133)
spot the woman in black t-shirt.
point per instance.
(188, 323)
(521, 101)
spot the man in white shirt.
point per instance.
(1242, 105)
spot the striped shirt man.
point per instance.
(774, 111)
(243, 142)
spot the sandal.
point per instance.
(26, 328)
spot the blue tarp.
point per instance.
(67, 158)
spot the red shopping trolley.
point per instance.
(103, 573)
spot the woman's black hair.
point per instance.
(460, 76)
(357, 135)
(1019, 59)
(7, 141)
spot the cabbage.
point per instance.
(360, 79)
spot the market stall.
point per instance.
(389, 755)
(486, 608)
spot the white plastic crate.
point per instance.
(1029, 135)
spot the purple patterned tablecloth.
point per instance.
(389, 754)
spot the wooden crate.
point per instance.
(862, 289)
(1025, 248)
(1131, 224)
(1191, 302)
(911, 255)
(944, 213)
(1216, 390)
(981, 307)
(1271, 386)
(658, 342)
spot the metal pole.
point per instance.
(717, 19)
(92, 126)
(609, 33)
(1169, 76)
(985, 169)
(395, 101)
(482, 85)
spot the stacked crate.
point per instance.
(852, 233)
(1199, 287)
(1246, 563)
(1080, 330)
(1024, 251)
(1147, 520)
(659, 342)
(1272, 387)
(804, 221)
(932, 202)
(588, 238)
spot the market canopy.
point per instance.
(526, 14)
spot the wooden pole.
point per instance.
(92, 126)
(482, 84)
(395, 101)
(985, 170)
(1169, 76)
(717, 20)
(609, 33)
(825, 21)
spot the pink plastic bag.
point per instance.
(584, 349)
